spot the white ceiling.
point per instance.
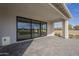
(37, 11)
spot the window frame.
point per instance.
(31, 21)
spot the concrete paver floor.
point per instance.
(53, 46)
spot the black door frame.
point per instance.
(30, 26)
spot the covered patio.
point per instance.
(53, 46)
(33, 16)
(44, 46)
(47, 12)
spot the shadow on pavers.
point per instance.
(16, 49)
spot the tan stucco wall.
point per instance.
(7, 25)
(8, 19)
(50, 28)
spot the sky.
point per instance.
(74, 10)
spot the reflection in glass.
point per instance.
(24, 30)
(35, 30)
(27, 28)
(43, 29)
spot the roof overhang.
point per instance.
(63, 9)
(38, 11)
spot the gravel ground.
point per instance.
(53, 46)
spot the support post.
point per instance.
(65, 29)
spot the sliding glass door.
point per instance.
(43, 28)
(23, 29)
(29, 28)
(35, 29)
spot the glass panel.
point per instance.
(27, 28)
(22, 25)
(35, 26)
(35, 30)
(43, 29)
(24, 30)
(43, 26)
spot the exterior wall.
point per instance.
(7, 26)
(50, 28)
(9, 13)
(0, 24)
(8, 20)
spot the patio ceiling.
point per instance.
(63, 9)
(38, 11)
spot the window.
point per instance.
(43, 29)
(35, 29)
(24, 28)
(29, 28)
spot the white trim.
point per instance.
(67, 10)
(65, 29)
(58, 11)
